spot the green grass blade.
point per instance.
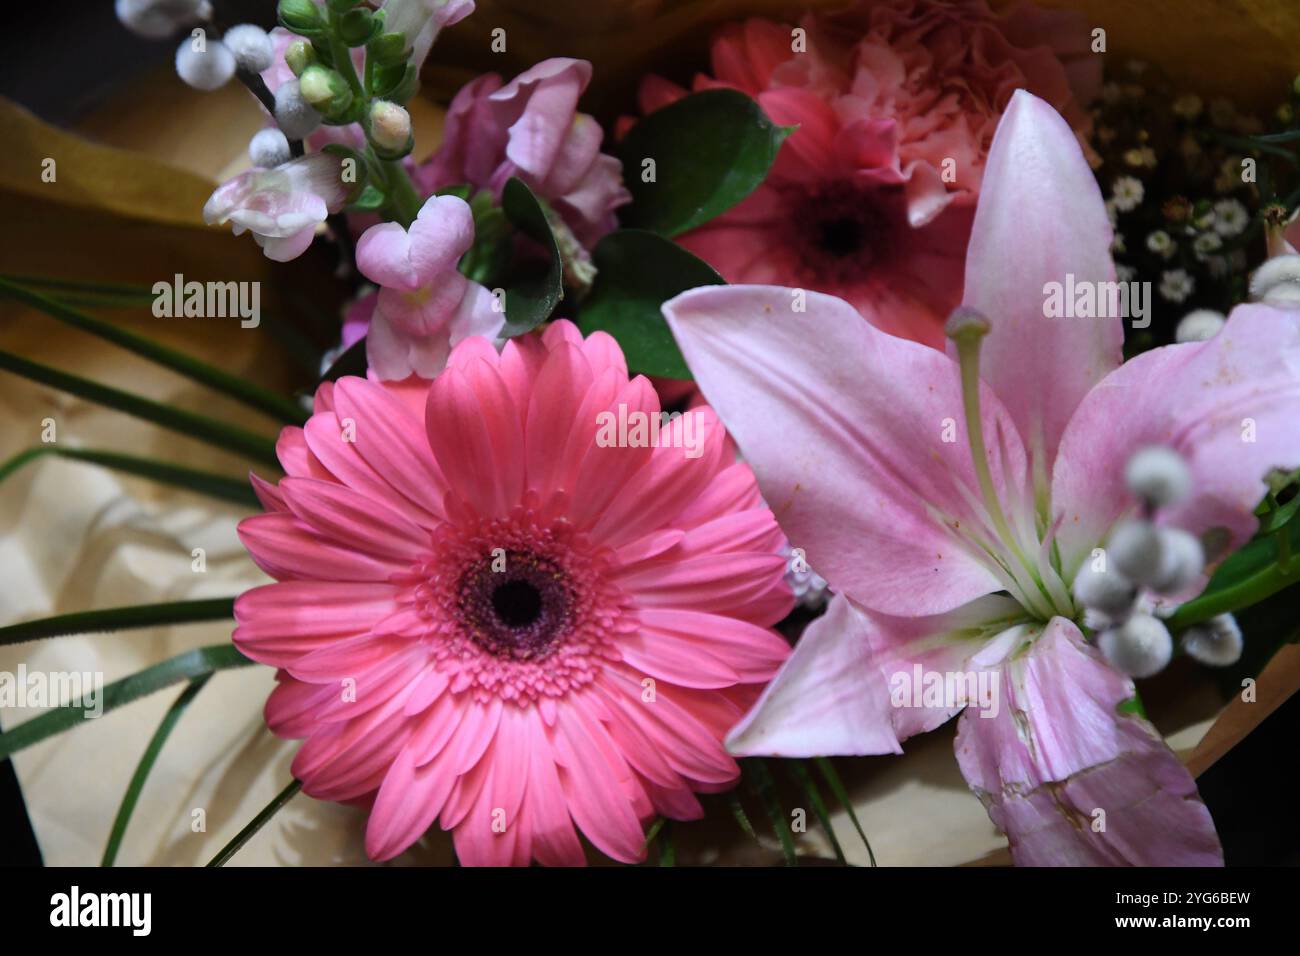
(277, 406)
(210, 430)
(119, 619)
(120, 293)
(235, 490)
(742, 818)
(805, 780)
(259, 821)
(832, 778)
(761, 780)
(187, 666)
(147, 760)
(667, 845)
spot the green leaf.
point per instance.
(259, 821)
(636, 272)
(236, 490)
(710, 150)
(533, 294)
(351, 362)
(119, 619)
(805, 780)
(277, 406)
(1257, 571)
(761, 780)
(187, 666)
(142, 769)
(832, 778)
(210, 430)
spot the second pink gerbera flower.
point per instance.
(491, 616)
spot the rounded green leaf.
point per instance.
(636, 273)
(695, 159)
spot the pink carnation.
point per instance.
(872, 197)
(490, 616)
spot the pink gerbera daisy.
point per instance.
(491, 615)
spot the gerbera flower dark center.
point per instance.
(516, 605)
(842, 229)
(842, 236)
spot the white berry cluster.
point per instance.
(1142, 556)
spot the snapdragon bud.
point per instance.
(390, 128)
(1217, 642)
(269, 148)
(300, 16)
(1277, 281)
(207, 66)
(160, 19)
(325, 90)
(293, 114)
(1158, 475)
(1140, 647)
(1181, 560)
(356, 26)
(1108, 591)
(1199, 325)
(1134, 550)
(299, 55)
(251, 46)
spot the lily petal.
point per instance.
(834, 695)
(1040, 218)
(1225, 404)
(844, 427)
(1069, 778)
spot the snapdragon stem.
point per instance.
(403, 201)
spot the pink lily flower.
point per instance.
(958, 556)
(425, 306)
(281, 207)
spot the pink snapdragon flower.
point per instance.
(424, 306)
(871, 197)
(950, 504)
(420, 21)
(530, 128)
(281, 207)
(494, 614)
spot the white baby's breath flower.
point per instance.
(1125, 273)
(1206, 243)
(1176, 285)
(1127, 193)
(1230, 217)
(1161, 243)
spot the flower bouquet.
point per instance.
(566, 457)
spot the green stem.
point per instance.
(119, 619)
(403, 200)
(147, 760)
(236, 490)
(259, 821)
(254, 396)
(210, 430)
